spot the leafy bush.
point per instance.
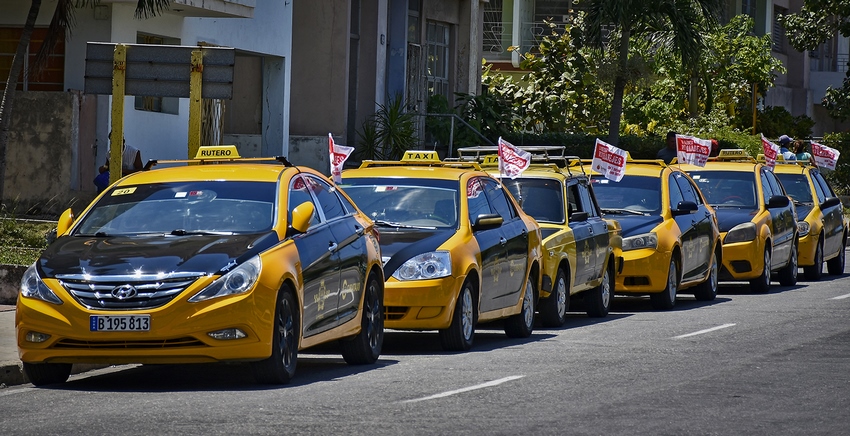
(840, 178)
(22, 241)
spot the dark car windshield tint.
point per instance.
(183, 208)
(407, 202)
(632, 194)
(727, 188)
(543, 199)
(797, 186)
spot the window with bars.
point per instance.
(437, 43)
(168, 105)
(778, 30)
(51, 75)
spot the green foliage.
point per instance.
(837, 100)
(775, 121)
(22, 241)
(816, 22)
(388, 133)
(840, 178)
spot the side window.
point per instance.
(688, 191)
(476, 199)
(298, 193)
(822, 187)
(775, 184)
(675, 193)
(574, 200)
(586, 200)
(331, 205)
(498, 200)
(349, 206)
(765, 187)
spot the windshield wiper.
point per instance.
(622, 211)
(400, 225)
(183, 232)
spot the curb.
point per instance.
(12, 374)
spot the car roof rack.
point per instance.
(542, 156)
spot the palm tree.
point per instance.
(676, 23)
(63, 21)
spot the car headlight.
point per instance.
(238, 281)
(33, 287)
(741, 233)
(426, 266)
(802, 229)
(646, 240)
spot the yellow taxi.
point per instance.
(457, 249)
(822, 226)
(242, 260)
(578, 244)
(758, 221)
(671, 240)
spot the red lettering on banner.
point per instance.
(610, 158)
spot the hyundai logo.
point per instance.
(124, 292)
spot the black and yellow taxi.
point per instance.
(822, 227)
(671, 239)
(578, 244)
(457, 249)
(758, 221)
(206, 260)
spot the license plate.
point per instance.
(120, 323)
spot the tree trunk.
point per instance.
(11, 87)
(693, 96)
(619, 89)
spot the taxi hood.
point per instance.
(149, 254)
(401, 244)
(635, 224)
(729, 217)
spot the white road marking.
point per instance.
(840, 297)
(704, 331)
(467, 389)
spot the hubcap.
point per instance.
(767, 267)
(286, 331)
(372, 316)
(672, 282)
(527, 310)
(466, 313)
(562, 297)
(606, 289)
(712, 278)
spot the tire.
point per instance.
(365, 347)
(42, 374)
(814, 272)
(279, 368)
(762, 284)
(522, 324)
(553, 310)
(788, 274)
(597, 301)
(461, 332)
(666, 299)
(707, 290)
(835, 266)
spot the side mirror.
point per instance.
(301, 217)
(66, 220)
(485, 221)
(685, 207)
(578, 217)
(830, 202)
(778, 201)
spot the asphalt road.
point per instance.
(770, 364)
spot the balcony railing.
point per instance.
(834, 63)
(498, 36)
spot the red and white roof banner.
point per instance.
(609, 161)
(771, 150)
(692, 150)
(338, 155)
(512, 160)
(824, 157)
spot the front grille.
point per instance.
(392, 313)
(112, 345)
(126, 292)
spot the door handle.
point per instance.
(524, 234)
(503, 241)
(358, 230)
(591, 230)
(332, 246)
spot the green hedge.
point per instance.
(840, 178)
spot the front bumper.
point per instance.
(420, 304)
(742, 260)
(178, 332)
(644, 271)
(806, 248)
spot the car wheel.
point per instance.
(666, 299)
(41, 374)
(597, 301)
(835, 266)
(815, 271)
(762, 283)
(707, 290)
(788, 274)
(553, 310)
(279, 368)
(522, 324)
(459, 335)
(365, 347)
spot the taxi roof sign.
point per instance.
(733, 154)
(421, 156)
(491, 159)
(217, 152)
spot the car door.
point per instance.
(319, 261)
(833, 216)
(582, 233)
(783, 221)
(350, 249)
(514, 240)
(687, 228)
(488, 240)
(700, 234)
(599, 241)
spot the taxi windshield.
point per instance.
(637, 195)
(727, 188)
(797, 186)
(543, 199)
(182, 208)
(414, 203)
